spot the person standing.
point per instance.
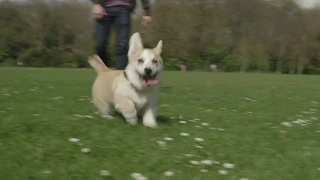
(116, 13)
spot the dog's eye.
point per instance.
(154, 61)
(140, 60)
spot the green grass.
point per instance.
(35, 127)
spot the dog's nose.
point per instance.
(147, 70)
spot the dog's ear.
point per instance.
(135, 44)
(158, 48)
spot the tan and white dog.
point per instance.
(133, 91)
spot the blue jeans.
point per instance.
(119, 17)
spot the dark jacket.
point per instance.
(145, 4)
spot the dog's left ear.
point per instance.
(158, 48)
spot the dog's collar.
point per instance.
(126, 77)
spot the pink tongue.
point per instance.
(149, 82)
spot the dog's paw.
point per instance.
(132, 121)
(107, 116)
(151, 124)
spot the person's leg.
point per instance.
(122, 26)
(102, 30)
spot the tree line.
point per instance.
(247, 35)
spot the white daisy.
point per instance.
(168, 139)
(194, 162)
(206, 162)
(287, 124)
(164, 105)
(184, 134)
(78, 115)
(243, 179)
(199, 139)
(89, 116)
(223, 172)
(168, 173)
(204, 170)
(182, 122)
(199, 147)
(85, 150)
(188, 155)
(204, 124)
(46, 172)
(74, 139)
(228, 165)
(138, 176)
(161, 143)
(299, 121)
(57, 98)
(197, 126)
(105, 173)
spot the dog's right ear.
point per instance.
(135, 45)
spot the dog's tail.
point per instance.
(97, 64)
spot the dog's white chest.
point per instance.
(139, 98)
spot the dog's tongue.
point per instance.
(149, 82)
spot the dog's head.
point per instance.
(147, 63)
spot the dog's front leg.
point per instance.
(149, 116)
(127, 108)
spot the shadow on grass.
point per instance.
(160, 118)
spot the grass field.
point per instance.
(266, 125)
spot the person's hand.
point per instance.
(98, 11)
(146, 21)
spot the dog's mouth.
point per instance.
(148, 80)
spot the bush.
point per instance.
(8, 62)
(170, 64)
(311, 70)
(40, 57)
(229, 65)
(45, 57)
(3, 56)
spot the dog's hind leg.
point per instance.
(104, 109)
(127, 108)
